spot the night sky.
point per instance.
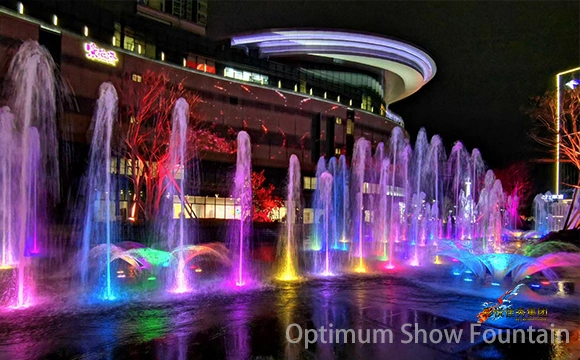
(491, 58)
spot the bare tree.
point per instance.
(145, 130)
(545, 114)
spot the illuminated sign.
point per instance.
(95, 53)
(552, 197)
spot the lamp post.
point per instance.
(558, 118)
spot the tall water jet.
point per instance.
(396, 147)
(342, 188)
(477, 173)
(287, 247)
(9, 246)
(242, 192)
(99, 187)
(34, 171)
(315, 241)
(435, 172)
(489, 207)
(360, 159)
(384, 211)
(326, 200)
(32, 90)
(177, 157)
(458, 175)
(419, 156)
(374, 197)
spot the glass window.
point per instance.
(308, 216)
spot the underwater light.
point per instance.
(468, 279)
(456, 273)
(360, 269)
(389, 267)
(151, 278)
(536, 286)
(121, 276)
(494, 284)
(468, 272)
(198, 270)
(545, 282)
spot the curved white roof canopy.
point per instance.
(408, 68)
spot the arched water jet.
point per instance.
(33, 88)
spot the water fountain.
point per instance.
(288, 267)
(386, 196)
(241, 232)
(30, 158)
(361, 156)
(326, 181)
(100, 185)
(176, 232)
(315, 239)
(341, 203)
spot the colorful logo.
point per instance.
(500, 308)
(503, 308)
(95, 53)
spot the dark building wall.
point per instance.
(279, 122)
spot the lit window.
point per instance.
(136, 78)
(350, 127)
(366, 102)
(338, 121)
(337, 151)
(309, 182)
(246, 76)
(308, 216)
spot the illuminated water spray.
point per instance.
(326, 200)
(287, 245)
(384, 192)
(361, 155)
(29, 157)
(243, 194)
(98, 221)
(177, 157)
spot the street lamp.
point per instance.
(571, 84)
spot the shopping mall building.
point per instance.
(308, 92)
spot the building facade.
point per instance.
(309, 92)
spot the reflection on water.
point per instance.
(253, 323)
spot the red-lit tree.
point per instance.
(264, 200)
(516, 180)
(145, 130)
